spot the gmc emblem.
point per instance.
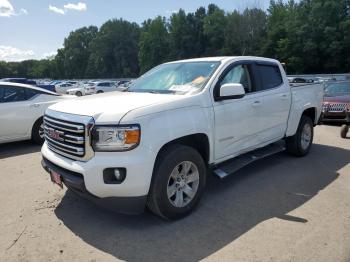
(54, 134)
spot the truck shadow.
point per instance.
(18, 148)
(270, 188)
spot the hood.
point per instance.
(112, 106)
(337, 99)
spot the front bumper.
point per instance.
(138, 164)
(341, 117)
(75, 182)
(139, 168)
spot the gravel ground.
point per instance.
(278, 209)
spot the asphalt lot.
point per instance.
(278, 209)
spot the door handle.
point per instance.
(34, 105)
(256, 104)
(284, 96)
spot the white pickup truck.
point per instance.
(153, 145)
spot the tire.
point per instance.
(99, 92)
(78, 93)
(176, 157)
(300, 144)
(38, 132)
(344, 131)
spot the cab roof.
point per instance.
(225, 59)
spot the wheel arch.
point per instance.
(295, 117)
(311, 112)
(198, 141)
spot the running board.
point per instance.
(231, 166)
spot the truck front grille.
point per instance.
(336, 107)
(70, 139)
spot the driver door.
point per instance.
(235, 119)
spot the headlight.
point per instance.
(115, 138)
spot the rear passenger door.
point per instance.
(272, 101)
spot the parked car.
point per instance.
(152, 145)
(299, 80)
(21, 111)
(102, 87)
(336, 103)
(123, 82)
(78, 91)
(90, 88)
(28, 82)
(62, 88)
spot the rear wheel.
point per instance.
(38, 136)
(178, 182)
(78, 93)
(344, 131)
(300, 143)
(99, 92)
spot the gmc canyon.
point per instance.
(153, 144)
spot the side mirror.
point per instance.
(231, 91)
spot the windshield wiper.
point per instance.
(152, 91)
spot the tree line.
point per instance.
(310, 36)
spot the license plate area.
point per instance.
(56, 178)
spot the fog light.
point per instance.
(117, 174)
(114, 175)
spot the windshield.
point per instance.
(179, 78)
(337, 89)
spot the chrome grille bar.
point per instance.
(63, 147)
(64, 125)
(68, 138)
(336, 107)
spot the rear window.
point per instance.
(31, 93)
(270, 76)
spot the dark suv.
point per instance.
(336, 104)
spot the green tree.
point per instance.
(154, 43)
(77, 51)
(245, 32)
(180, 44)
(214, 30)
(114, 51)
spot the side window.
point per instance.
(239, 74)
(30, 93)
(13, 94)
(270, 76)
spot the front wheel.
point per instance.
(78, 93)
(99, 92)
(178, 182)
(38, 135)
(300, 143)
(344, 130)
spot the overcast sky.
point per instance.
(37, 28)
